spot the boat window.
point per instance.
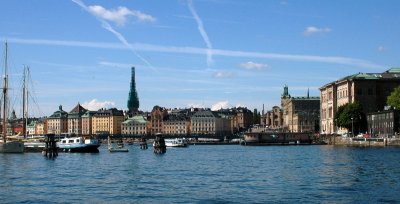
(64, 141)
(77, 140)
(70, 141)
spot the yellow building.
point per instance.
(87, 123)
(39, 128)
(107, 121)
(57, 123)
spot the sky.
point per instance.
(191, 53)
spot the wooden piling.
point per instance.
(50, 150)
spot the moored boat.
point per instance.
(118, 148)
(8, 146)
(12, 147)
(79, 144)
(176, 142)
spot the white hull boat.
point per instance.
(176, 142)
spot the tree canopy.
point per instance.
(351, 116)
(394, 99)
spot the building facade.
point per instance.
(107, 122)
(87, 126)
(369, 89)
(75, 120)
(157, 116)
(384, 123)
(300, 114)
(57, 123)
(206, 122)
(243, 118)
(273, 119)
(136, 126)
(176, 125)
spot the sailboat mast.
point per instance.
(23, 105)
(27, 97)
(5, 97)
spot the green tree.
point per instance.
(256, 117)
(394, 99)
(351, 117)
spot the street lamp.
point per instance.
(352, 126)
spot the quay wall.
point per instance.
(373, 142)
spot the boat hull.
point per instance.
(12, 147)
(118, 150)
(85, 148)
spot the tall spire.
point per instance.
(133, 99)
(308, 93)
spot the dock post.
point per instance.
(51, 149)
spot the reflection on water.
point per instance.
(205, 174)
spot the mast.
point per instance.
(5, 97)
(23, 105)
(27, 98)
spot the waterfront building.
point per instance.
(300, 114)
(133, 99)
(107, 122)
(39, 128)
(206, 122)
(31, 128)
(369, 89)
(75, 120)
(273, 119)
(17, 128)
(57, 123)
(157, 116)
(243, 118)
(136, 126)
(87, 123)
(176, 124)
(384, 123)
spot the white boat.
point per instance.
(8, 146)
(78, 144)
(118, 148)
(176, 142)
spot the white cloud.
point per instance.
(109, 28)
(198, 51)
(119, 15)
(195, 105)
(313, 30)
(220, 104)
(95, 105)
(223, 74)
(381, 49)
(253, 66)
(203, 32)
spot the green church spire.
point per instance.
(133, 100)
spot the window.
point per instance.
(359, 91)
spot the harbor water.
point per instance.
(205, 174)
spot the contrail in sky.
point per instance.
(200, 51)
(120, 37)
(203, 32)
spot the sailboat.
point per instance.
(8, 146)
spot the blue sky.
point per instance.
(199, 53)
